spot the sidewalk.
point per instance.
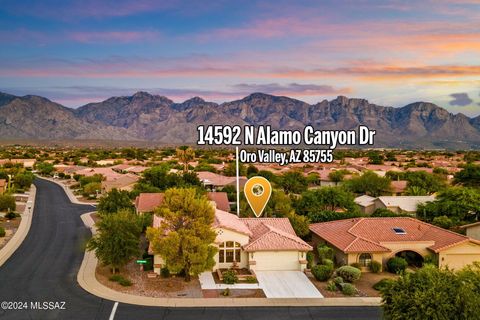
(23, 228)
(68, 191)
(87, 280)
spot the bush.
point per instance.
(382, 284)
(2, 232)
(349, 273)
(164, 272)
(324, 252)
(251, 279)
(375, 266)
(397, 264)
(331, 286)
(120, 280)
(431, 259)
(349, 289)
(356, 265)
(322, 272)
(11, 215)
(310, 260)
(328, 262)
(7, 202)
(338, 280)
(229, 277)
(226, 292)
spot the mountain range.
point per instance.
(159, 120)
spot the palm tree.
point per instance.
(185, 155)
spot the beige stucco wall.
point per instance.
(224, 235)
(474, 232)
(354, 258)
(419, 247)
(277, 260)
(459, 256)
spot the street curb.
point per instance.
(67, 191)
(87, 280)
(22, 231)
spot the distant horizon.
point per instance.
(390, 51)
(226, 101)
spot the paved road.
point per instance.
(45, 268)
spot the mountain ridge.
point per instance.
(146, 117)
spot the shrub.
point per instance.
(310, 260)
(2, 232)
(349, 289)
(431, 259)
(7, 202)
(251, 279)
(10, 215)
(229, 277)
(125, 282)
(322, 272)
(397, 264)
(226, 292)
(338, 280)
(328, 262)
(120, 280)
(349, 273)
(324, 252)
(382, 284)
(375, 266)
(164, 272)
(356, 265)
(331, 286)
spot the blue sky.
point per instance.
(390, 52)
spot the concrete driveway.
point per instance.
(286, 284)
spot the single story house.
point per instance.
(398, 187)
(366, 203)
(405, 204)
(362, 240)
(472, 230)
(257, 244)
(147, 202)
(218, 181)
(124, 182)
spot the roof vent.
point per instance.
(399, 230)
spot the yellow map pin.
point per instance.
(257, 191)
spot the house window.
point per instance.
(365, 259)
(229, 251)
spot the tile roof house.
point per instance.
(147, 202)
(123, 182)
(215, 180)
(405, 204)
(253, 243)
(398, 187)
(362, 240)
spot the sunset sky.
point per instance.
(389, 52)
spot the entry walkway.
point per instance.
(287, 284)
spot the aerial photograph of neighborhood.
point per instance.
(264, 159)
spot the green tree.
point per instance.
(337, 175)
(432, 293)
(251, 170)
(428, 182)
(7, 203)
(117, 240)
(44, 168)
(469, 176)
(460, 204)
(23, 180)
(368, 183)
(185, 155)
(322, 202)
(114, 201)
(416, 191)
(185, 237)
(230, 169)
(293, 182)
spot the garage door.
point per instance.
(458, 261)
(277, 261)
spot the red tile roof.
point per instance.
(221, 199)
(372, 234)
(147, 202)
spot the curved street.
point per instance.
(44, 269)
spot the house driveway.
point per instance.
(286, 284)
